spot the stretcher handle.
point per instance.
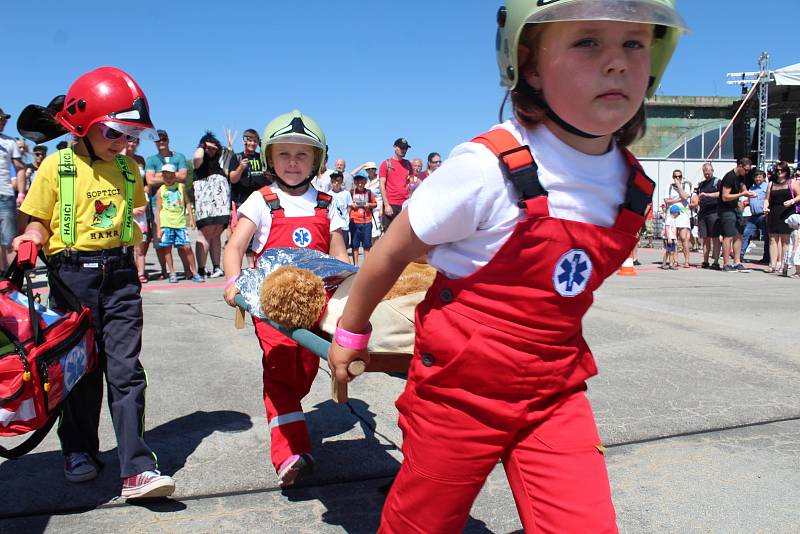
(26, 255)
(309, 340)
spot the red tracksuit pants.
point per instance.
(289, 371)
(552, 458)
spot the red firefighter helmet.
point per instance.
(108, 95)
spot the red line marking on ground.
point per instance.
(188, 285)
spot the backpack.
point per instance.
(408, 169)
(43, 353)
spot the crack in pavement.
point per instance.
(166, 504)
(714, 430)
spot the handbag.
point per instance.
(43, 352)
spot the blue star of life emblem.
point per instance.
(301, 237)
(572, 273)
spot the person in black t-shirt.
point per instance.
(730, 218)
(707, 220)
(247, 172)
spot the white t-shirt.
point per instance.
(468, 210)
(255, 208)
(323, 181)
(684, 217)
(342, 201)
(9, 151)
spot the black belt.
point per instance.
(116, 254)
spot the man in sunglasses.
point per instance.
(10, 156)
(707, 219)
(152, 175)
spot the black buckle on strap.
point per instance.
(274, 204)
(67, 169)
(525, 179)
(636, 200)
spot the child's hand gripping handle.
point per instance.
(310, 341)
(339, 389)
(27, 254)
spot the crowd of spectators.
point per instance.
(205, 192)
(723, 218)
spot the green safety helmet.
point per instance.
(512, 18)
(294, 127)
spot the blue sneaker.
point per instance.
(79, 467)
(197, 279)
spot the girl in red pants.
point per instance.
(523, 224)
(289, 213)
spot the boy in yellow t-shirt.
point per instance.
(99, 204)
(172, 216)
(80, 210)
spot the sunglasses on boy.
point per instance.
(112, 134)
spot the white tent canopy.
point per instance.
(788, 75)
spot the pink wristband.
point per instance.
(231, 280)
(351, 340)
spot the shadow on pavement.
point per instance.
(34, 486)
(356, 507)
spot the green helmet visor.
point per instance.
(295, 132)
(637, 11)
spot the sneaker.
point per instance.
(197, 279)
(637, 263)
(216, 273)
(704, 265)
(715, 267)
(729, 269)
(148, 485)
(295, 467)
(173, 278)
(741, 268)
(79, 467)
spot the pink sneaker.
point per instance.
(295, 467)
(147, 485)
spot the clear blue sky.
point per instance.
(368, 71)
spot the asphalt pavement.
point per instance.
(697, 402)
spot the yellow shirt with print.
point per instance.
(99, 203)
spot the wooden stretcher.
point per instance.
(380, 362)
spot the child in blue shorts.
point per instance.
(361, 216)
(172, 217)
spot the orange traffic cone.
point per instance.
(627, 268)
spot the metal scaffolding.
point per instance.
(747, 80)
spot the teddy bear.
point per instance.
(304, 289)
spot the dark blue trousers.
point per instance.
(107, 283)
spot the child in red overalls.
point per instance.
(523, 224)
(288, 213)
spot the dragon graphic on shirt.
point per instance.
(104, 214)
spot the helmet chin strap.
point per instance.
(90, 149)
(540, 101)
(301, 185)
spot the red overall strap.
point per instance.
(638, 197)
(273, 202)
(323, 201)
(518, 166)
